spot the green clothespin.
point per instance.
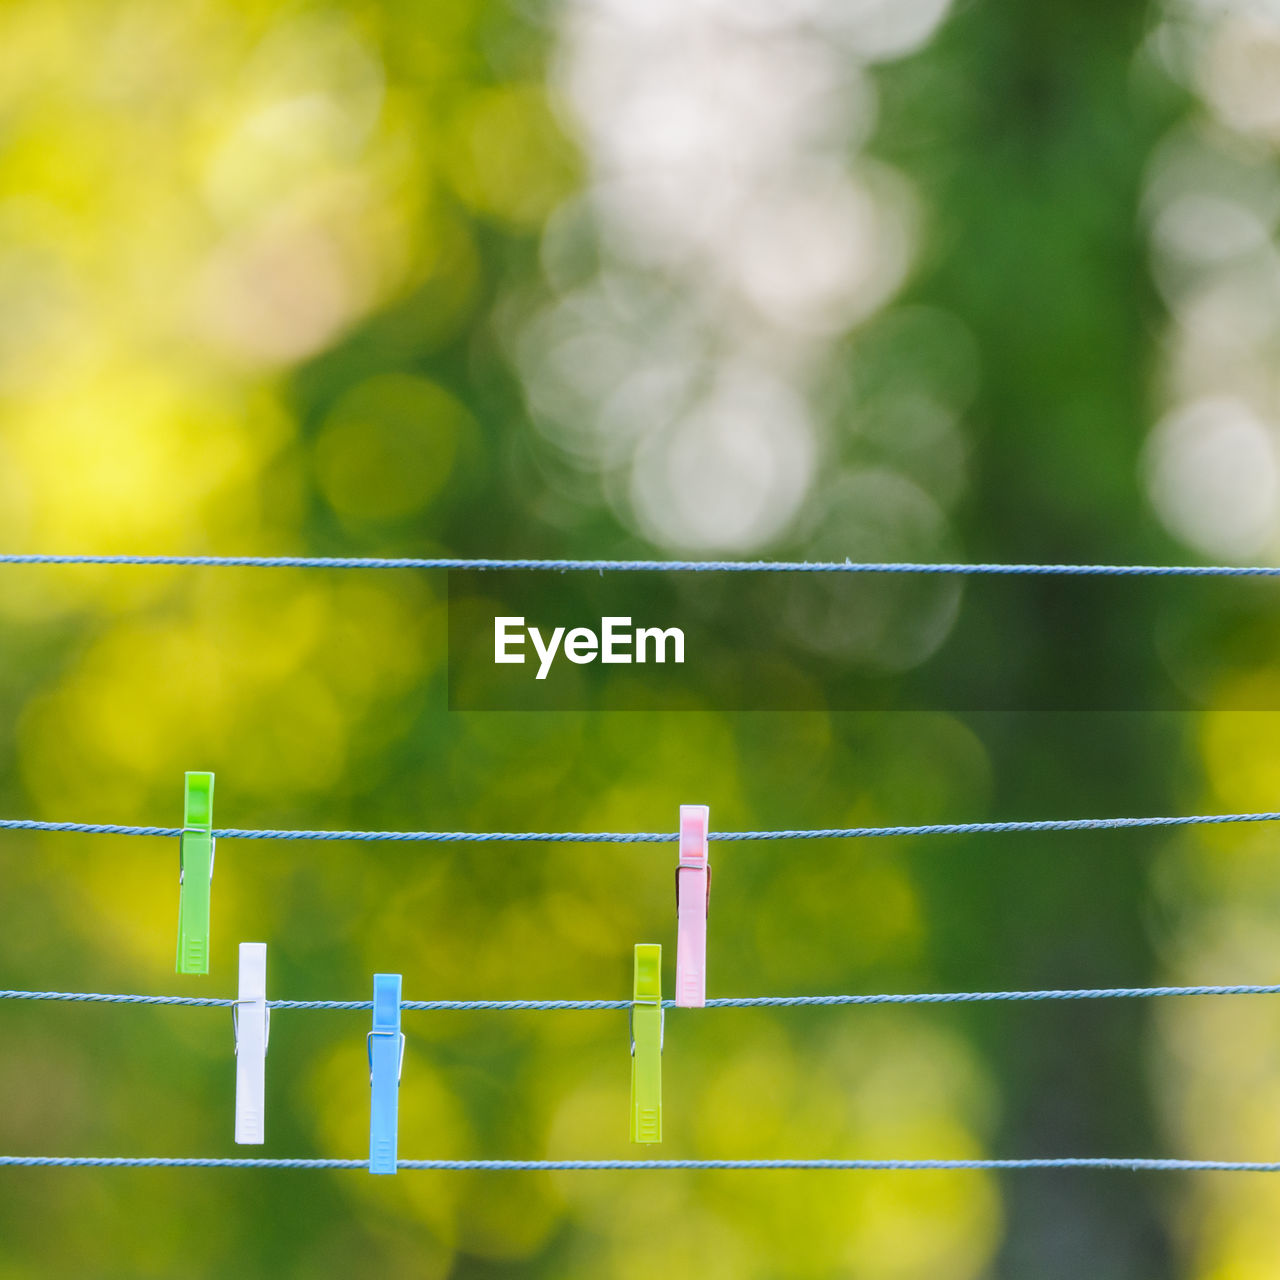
(646, 1045)
(195, 862)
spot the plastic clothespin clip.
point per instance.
(693, 900)
(252, 1021)
(646, 1045)
(386, 1060)
(195, 874)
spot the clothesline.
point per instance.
(651, 566)
(650, 837)
(726, 1002)
(1134, 1164)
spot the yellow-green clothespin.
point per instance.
(195, 874)
(646, 1045)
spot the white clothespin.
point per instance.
(252, 1021)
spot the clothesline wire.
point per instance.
(1137, 1164)
(650, 837)
(727, 1002)
(652, 566)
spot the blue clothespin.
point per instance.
(386, 1058)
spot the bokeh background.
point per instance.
(882, 279)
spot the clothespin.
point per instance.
(646, 1045)
(386, 1059)
(195, 874)
(252, 1020)
(693, 899)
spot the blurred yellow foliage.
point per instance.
(207, 207)
(508, 158)
(388, 446)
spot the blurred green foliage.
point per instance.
(260, 267)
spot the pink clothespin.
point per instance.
(693, 895)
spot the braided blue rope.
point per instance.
(725, 1002)
(531, 1166)
(650, 837)
(657, 566)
